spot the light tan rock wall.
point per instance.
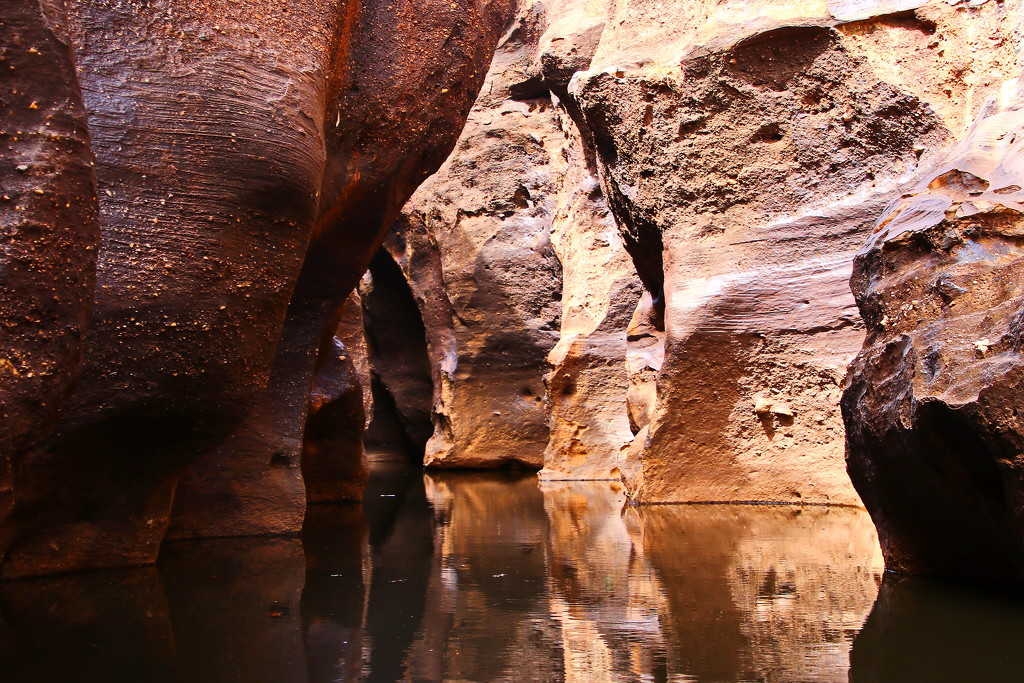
(732, 157)
(746, 152)
(588, 382)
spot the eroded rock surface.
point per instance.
(742, 154)
(515, 260)
(491, 297)
(249, 158)
(746, 153)
(49, 228)
(932, 403)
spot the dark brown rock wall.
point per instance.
(204, 218)
(249, 157)
(49, 228)
(932, 402)
(403, 77)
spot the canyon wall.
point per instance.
(695, 183)
(634, 264)
(734, 161)
(249, 158)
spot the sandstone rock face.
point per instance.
(49, 227)
(746, 153)
(743, 155)
(588, 382)
(932, 403)
(405, 79)
(516, 263)
(191, 252)
(491, 297)
(247, 167)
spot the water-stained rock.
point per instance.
(249, 158)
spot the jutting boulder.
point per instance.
(933, 403)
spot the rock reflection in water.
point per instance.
(765, 593)
(492, 577)
(91, 628)
(925, 630)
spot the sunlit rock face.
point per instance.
(588, 381)
(492, 293)
(746, 153)
(693, 183)
(515, 260)
(933, 402)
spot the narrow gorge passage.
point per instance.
(482, 340)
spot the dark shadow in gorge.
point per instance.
(334, 599)
(401, 546)
(397, 341)
(235, 608)
(92, 627)
(929, 630)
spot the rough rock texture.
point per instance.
(508, 249)
(49, 227)
(933, 402)
(746, 152)
(743, 153)
(587, 386)
(400, 95)
(491, 295)
(191, 253)
(249, 157)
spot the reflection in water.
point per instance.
(924, 630)
(493, 577)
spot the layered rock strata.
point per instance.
(249, 158)
(932, 403)
(745, 154)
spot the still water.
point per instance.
(499, 577)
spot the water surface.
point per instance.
(499, 577)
